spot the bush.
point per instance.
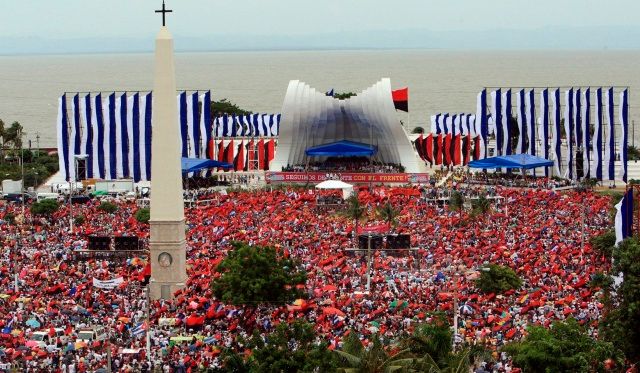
(143, 215)
(9, 218)
(497, 279)
(108, 207)
(603, 244)
(45, 207)
(79, 220)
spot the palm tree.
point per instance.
(480, 206)
(456, 203)
(355, 358)
(433, 339)
(354, 211)
(388, 214)
(458, 362)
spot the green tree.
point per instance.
(291, 347)
(480, 207)
(603, 243)
(388, 214)
(565, 347)
(354, 211)
(456, 203)
(226, 107)
(633, 153)
(432, 338)
(143, 215)
(108, 207)
(454, 362)
(343, 95)
(497, 279)
(13, 135)
(9, 218)
(621, 325)
(355, 358)
(45, 207)
(79, 220)
(253, 275)
(417, 130)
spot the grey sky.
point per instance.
(123, 19)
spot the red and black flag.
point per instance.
(401, 99)
(428, 149)
(476, 148)
(419, 146)
(456, 150)
(447, 149)
(437, 149)
(466, 149)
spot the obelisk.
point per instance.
(167, 242)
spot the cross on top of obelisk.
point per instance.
(164, 11)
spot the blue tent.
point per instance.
(197, 164)
(524, 161)
(343, 148)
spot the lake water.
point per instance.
(438, 81)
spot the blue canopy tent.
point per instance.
(343, 148)
(197, 164)
(523, 161)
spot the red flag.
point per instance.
(456, 150)
(261, 155)
(419, 146)
(210, 149)
(467, 149)
(401, 99)
(229, 153)
(271, 147)
(438, 150)
(428, 148)
(239, 158)
(447, 149)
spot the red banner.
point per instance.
(347, 177)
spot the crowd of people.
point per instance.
(536, 232)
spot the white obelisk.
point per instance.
(167, 243)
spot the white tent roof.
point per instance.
(333, 184)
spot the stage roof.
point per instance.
(197, 164)
(525, 161)
(343, 148)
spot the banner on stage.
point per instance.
(107, 284)
(301, 177)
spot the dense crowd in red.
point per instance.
(534, 231)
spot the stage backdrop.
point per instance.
(578, 128)
(114, 132)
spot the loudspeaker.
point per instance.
(363, 242)
(126, 243)
(101, 243)
(398, 241)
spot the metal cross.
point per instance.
(164, 11)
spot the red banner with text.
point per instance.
(347, 177)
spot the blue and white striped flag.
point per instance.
(610, 146)
(556, 140)
(624, 136)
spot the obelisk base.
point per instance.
(167, 255)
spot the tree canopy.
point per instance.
(497, 279)
(344, 95)
(290, 348)
(45, 207)
(252, 275)
(143, 215)
(621, 324)
(226, 107)
(565, 347)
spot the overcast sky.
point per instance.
(121, 19)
